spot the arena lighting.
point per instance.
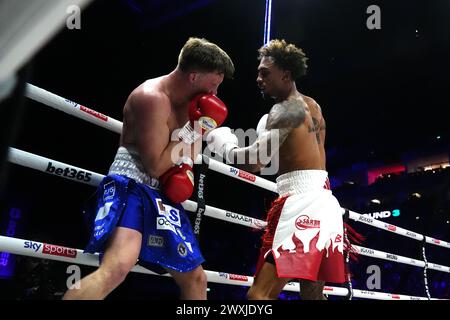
(267, 21)
(375, 201)
(416, 195)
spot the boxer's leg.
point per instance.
(120, 256)
(267, 285)
(193, 284)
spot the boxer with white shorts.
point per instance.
(304, 236)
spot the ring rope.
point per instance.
(95, 117)
(41, 163)
(77, 256)
(77, 110)
(77, 174)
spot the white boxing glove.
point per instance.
(221, 141)
(261, 127)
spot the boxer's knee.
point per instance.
(113, 275)
(193, 279)
(199, 279)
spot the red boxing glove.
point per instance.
(209, 111)
(178, 182)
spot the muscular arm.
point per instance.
(282, 119)
(151, 112)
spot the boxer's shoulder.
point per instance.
(286, 114)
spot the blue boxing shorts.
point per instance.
(167, 237)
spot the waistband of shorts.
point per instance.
(301, 181)
(128, 163)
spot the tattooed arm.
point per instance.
(283, 117)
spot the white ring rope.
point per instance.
(67, 106)
(59, 253)
(42, 164)
(399, 259)
(72, 108)
(74, 173)
(70, 172)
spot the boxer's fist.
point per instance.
(178, 182)
(206, 109)
(222, 141)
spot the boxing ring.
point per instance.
(36, 249)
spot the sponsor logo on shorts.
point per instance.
(163, 224)
(238, 277)
(395, 296)
(304, 222)
(328, 288)
(182, 251)
(59, 251)
(170, 213)
(109, 191)
(69, 172)
(32, 245)
(94, 113)
(155, 241)
(102, 212)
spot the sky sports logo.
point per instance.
(51, 249)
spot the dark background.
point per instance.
(382, 92)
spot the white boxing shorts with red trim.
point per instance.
(305, 229)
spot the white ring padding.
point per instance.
(72, 108)
(67, 171)
(65, 105)
(50, 166)
(394, 229)
(399, 259)
(40, 163)
(77, 256)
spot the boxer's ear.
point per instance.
(193, 77)
(287, 75)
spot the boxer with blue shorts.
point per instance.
(138, 217)
(167, 237)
